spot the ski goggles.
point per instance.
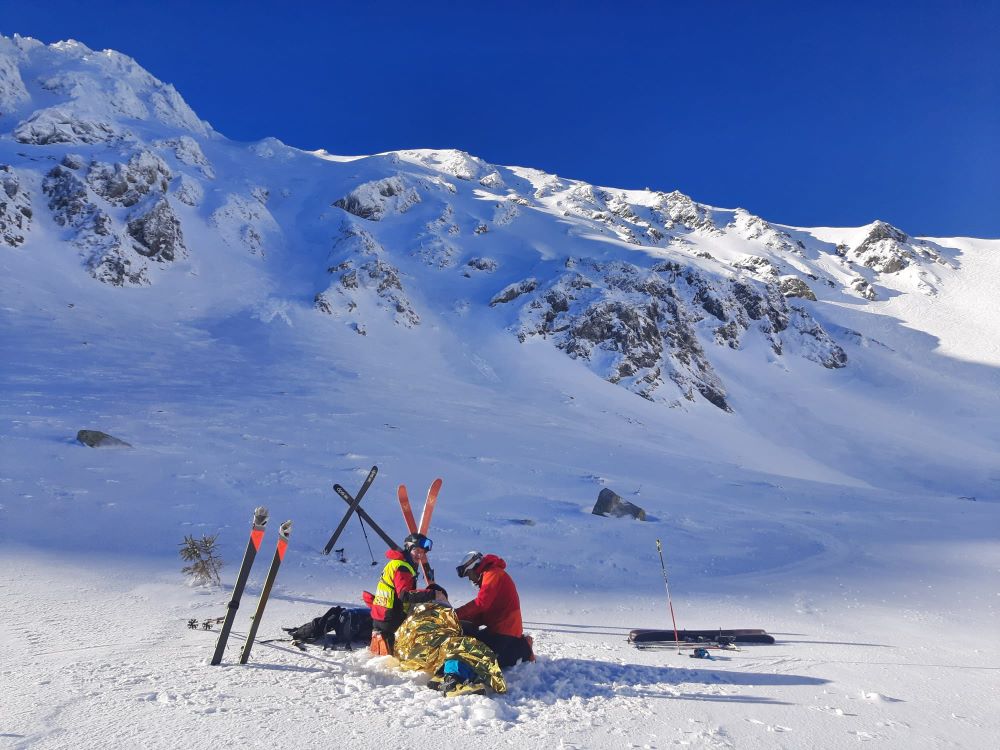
(425, 544)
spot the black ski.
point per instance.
(279, 555)
(346, 497)
(256, 536)
(747, 635)
(357, 501)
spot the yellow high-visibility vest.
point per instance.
(385, 592)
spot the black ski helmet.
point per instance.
(469, 564)
(417, 540)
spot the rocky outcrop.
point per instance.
(754, 228)
(886, 249)
(188, 190)
(105, 254)
(513, 291)
(13, 93)
(364, 277)
(15, 208)
(156, 233)
(864, 288)
(374, 200)
(678, 210)
(187, 151)
(644, 328)
(126, 184)
(64, 125)
(793, 286)
(482, 265)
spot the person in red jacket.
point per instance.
(494, 616)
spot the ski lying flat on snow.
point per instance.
(357, 501)
(256, 536)
(346, 497)
(272, 573)
(747, 635)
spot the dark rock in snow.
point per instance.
(157, 233)
(15, 208)
(98, 439)
(610, 504)
(792, 286)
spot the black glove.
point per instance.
(435, 587)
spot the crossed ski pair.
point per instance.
(260, 518)
(354, 503)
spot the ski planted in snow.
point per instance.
(346, 497)
(357, 501)
(429, 503)
(745, 635)
(256, 536)
(425, 518)
(404, 505)
(279, 554)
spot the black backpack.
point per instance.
(340, 626)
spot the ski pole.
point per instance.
(670, 602)
(370, 553)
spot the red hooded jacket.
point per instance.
(497, 606)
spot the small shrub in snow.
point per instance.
(205, 563)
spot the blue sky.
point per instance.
(833, 114)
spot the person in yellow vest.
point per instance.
(397, 591)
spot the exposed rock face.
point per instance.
(886, 249)
(63, 125)
(157, 233)
(862, 287)
(611, 504)
(484, 265)
(127, 184)
(513, 291)
(676, 209)
(760, 267)
(640, 328)
(365, 276)
(374, 200)
(188, 190)
(751, 227)
(187, 151)
(105, 255)
(70, 202)
(13, 93)
(493, 181)
(15, 208)
(792, 286)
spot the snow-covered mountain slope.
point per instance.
(808, 415)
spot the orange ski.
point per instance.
(404, 504)
(432, 496)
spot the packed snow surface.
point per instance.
(809, 418)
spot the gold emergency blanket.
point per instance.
(432, 634)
